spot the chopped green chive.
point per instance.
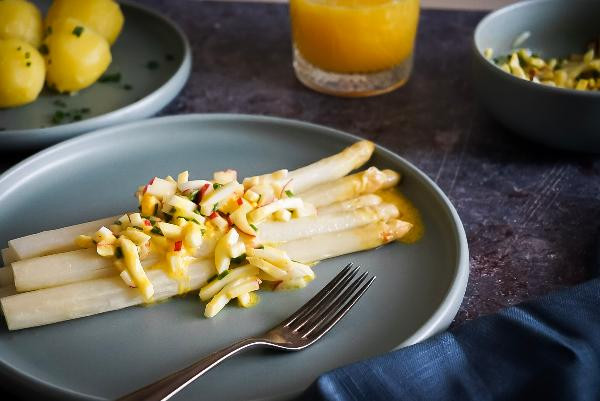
(116, 77)
(156, 230)
(212, 278)
(57, 117)
(155, 210)
(215, 207)
(192, 195)
(77, 31)
(223, 275)
(239, 259)
(118, 252)
(117, 222)
(253, 227)
(289, 193)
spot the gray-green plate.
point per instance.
(417, 293)
(146, 38)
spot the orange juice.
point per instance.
(354, 36)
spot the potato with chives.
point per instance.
(20, 19)
(103, 16)
(22, 73)
(76, 56)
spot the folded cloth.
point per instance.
(547, 349)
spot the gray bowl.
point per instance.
(562, 118)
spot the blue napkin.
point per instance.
(547, 349)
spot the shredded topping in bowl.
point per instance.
(578, 71)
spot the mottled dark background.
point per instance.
(531, 214)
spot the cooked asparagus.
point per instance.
(86, 264)
(85, 298)
(54, 241)
(365, 182)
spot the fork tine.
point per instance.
(314, 301)
(325, 301)
(319, 316)
(324, 327)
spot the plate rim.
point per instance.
(154, 101)
(437, 322)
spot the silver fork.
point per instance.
(302, 329)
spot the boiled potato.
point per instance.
(19, 19)
(22, 72)
(103, 16)
(76, 56)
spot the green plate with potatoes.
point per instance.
(151, 61)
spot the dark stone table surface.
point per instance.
(531, 214)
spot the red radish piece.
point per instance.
(240, 201)
(177, 246)
(147, 222)
(202, 192)
(214, 215)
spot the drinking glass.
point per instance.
(353, 47)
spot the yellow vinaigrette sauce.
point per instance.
(408, 212)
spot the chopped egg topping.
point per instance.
(182, 220)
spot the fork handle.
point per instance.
(168, 386)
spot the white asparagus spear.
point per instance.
(350, 204)
(332, 167)
(91, 297)
(64, 268)
(72, 266)
(8, 256)
(53, 241)
(325, 246)
(277, 231)
(349, 187)
(61, 268)
(85, 264)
